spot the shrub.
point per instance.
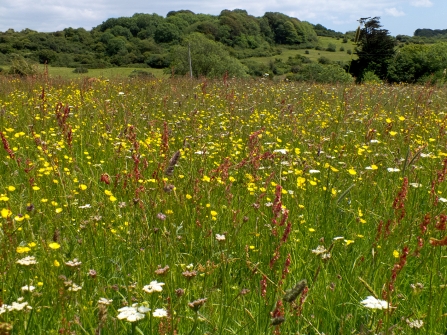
(141, 74)
(324, 60)
(21, 67)
(80, 70)
(157, 61)
(331, 47)
(255, 68)
(369, 77)
(319, 73)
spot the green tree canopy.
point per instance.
(414, 62)
(208, 58)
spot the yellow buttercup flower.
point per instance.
(54, 245)
(6, 213)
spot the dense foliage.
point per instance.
(146, 39)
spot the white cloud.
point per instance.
(421, 3)
(394, 12)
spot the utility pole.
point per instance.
(189, 58)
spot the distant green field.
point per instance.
(315, 54)
(114, 72)
(107, 73)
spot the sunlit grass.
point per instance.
(240, 207)
(107, 73)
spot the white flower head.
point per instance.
(160, 313)
(326, 256)
(314, 171)
(319, 250)
(374, 303)
(17, 306)
(104, 301)
(85, 206)
(143, 309)
(392, 170)
(130, 314)
(154, 286)
(28, 260)
(74, 287)
(74, 263)
(220, 237)
(281, 151)
(28, 288)
(415, 323)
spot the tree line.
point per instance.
(148, 38)
(224, 43)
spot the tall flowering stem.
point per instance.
(399, 201)
(397, 268)
(6, 146)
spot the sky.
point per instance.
(398, 16)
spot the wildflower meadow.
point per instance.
(178, 206)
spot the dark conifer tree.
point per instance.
(375, 49)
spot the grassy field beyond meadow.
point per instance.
(176, 206)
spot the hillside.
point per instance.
(145, 40)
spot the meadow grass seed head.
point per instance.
(161, 271)
(196, 304)
(277, 321)
(291, 294)
(169, 171)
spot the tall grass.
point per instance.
(225, 207)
